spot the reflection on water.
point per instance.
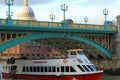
(110, 77)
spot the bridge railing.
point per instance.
(31, 23)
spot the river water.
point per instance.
(110, 77)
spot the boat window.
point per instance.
(23, 70)
(38, 69)
(80, 67)
(90, 67)
(85, 68)
(53, 69)
(27, 69)
(13, 67)
(49, 69)
(79, 60)
(62, 69)
(31, 69)
(58, 69)
(78, 51)
(67, 68)
(72, 69)
(41, 68)
(73, 53)
(34, 69)
(45, 69)
(94, 67)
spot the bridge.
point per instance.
(96, 40)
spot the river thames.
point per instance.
(110, 77)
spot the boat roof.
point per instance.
(70, 50)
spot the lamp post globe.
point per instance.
(86, 19)
(64, 8)
(105, 12)
(52, 17)
(9, 3)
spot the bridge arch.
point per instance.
(34, 36)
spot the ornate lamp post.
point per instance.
(9, 3)
(64, 8)
(86, 20)
(114, 23)
(105, 12)
(52, 17)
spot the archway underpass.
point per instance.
(62, 44)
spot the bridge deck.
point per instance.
(28, 25)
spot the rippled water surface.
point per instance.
(110, 77)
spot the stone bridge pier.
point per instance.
(114, 63)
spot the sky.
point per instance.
(77, 10)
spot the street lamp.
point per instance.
(86, 20)
(105, 12)
(52, 17)
(64, 8)
(9, 3)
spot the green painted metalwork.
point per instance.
(53, 35)
(38, 26)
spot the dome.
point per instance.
(118, 16)
(26, 12)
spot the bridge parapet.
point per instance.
(57, 25)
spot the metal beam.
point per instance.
(53, 35)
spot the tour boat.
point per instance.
(76, 66)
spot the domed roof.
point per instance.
(117, 16)
(26, 12)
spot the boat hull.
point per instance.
(95, 76)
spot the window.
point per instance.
(21, 54)
(34, 69)
(94, 67)
(38, 69)
(90, 67)
(73, 53)
(27, 54)
(31, 69)
(67, 68)
(38, 54)
(5, 55)
(27, 69)
(48, 55)
(79, 60)
(49, 69)
(33, 54)
(53, 69)
(13, 67)
(41, 68)
(80, 68)
(45, 69)
(85, 68)
(23, 69)
(72, 69)
(62, 69)
(58, 69)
